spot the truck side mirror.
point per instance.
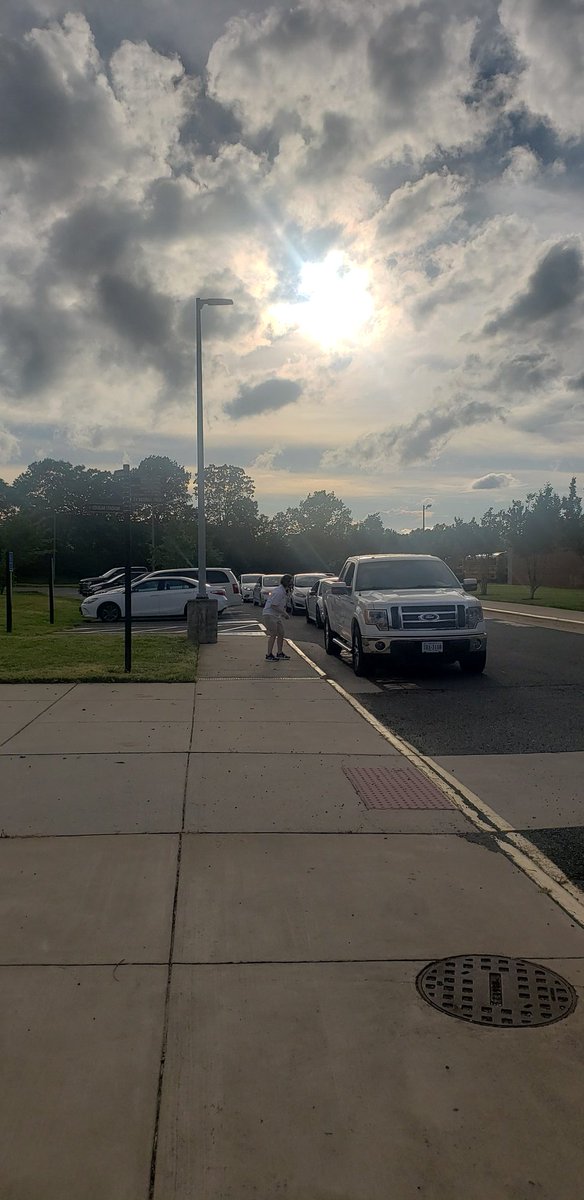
(340, 589)
(470, 585)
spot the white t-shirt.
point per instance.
(276, 603)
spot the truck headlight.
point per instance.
(376, 616)
(474, 616)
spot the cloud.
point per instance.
(267, 396)
(493, 480)
(9, 446)
(549, 35)
(266, 460)
(553, 288)
(422, 439)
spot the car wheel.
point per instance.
(359, 659)
(473, 664)
(109, 612)
(330, 645)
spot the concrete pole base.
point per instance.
(202, 621)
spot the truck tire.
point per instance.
(473, 664)
(330, 646)
(359, 659)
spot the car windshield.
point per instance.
(306, 581)
(271, 580)
(403, 573)
(250, 578)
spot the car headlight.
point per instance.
(376, 616)
(474, 616)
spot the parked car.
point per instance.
(301, 586)
(247, 584)
(407, 606)
(116, 581)
(107, 578)
(154, 597)
(315, 601)
(218, 577)
(264, 587)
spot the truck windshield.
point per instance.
(403, 574)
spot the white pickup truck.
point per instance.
(404, 606)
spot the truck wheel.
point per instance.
(330, 645)
(358, 657)
(109, 612)
(473, 664)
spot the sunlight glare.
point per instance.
(334, 300)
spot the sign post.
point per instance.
(127, 503)
(52, 589)
(9, 570)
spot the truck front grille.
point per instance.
(430, 618)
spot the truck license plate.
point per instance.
(432, 647)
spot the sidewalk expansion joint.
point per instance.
(154, 1154)
(37, 715)
(546, 876)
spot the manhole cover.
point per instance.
(490, 989)
(395, 787)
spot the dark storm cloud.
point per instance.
(331, 151)
(524, 373)
(36, 342)
(297, 28)
(267, 396)
(555, 285)
(491, 481)
(38, 115)
(139, 313)
(94, 236)
(407, 55)
(577, 383)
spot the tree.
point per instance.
(573, 519)
(229, 496)
(168, 481)
(323, 512)
(534, 528)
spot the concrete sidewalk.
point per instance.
(209, 948)
(537, 612)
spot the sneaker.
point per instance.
(271, 658)
(281, 656)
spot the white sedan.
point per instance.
(152, 598)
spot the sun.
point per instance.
(334, 301)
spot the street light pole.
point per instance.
(425, 508)
(201, 535)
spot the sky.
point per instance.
(390, 193)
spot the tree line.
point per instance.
(55, 506)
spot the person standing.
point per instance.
(274, 616)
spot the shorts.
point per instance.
(274, 625)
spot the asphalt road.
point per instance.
(530, 698)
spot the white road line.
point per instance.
(544, 873)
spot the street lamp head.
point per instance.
(214, 300)
(428, 505)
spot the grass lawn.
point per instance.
(516, 593)
(38, 652)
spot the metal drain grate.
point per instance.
(398, 787)
(490, 989)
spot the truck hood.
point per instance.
(414, 596)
